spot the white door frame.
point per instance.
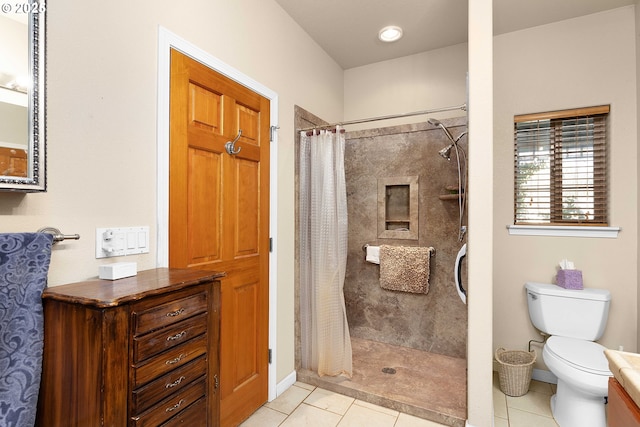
(167, 41)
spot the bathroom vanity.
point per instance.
(139, 351)
(624, 389)
(623, 412)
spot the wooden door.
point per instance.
(219, 217)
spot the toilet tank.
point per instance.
(570, 313)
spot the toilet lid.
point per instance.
(587, 356)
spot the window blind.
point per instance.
(561, 167)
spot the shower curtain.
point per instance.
(326, 344)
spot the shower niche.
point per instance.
(398, 208)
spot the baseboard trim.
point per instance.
(287, 382)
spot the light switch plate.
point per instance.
(121, 241)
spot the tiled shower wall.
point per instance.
(437, 321)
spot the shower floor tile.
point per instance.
(427, 385)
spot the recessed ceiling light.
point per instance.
(390, 34)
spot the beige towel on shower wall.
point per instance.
(404, 268)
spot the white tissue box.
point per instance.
(117, 270)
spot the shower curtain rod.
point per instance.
(462, 107)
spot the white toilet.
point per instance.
(574, 319)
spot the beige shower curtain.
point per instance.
(326, 345)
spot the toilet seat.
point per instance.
(586, 356)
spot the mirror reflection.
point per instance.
(14, 78)
(22, 127)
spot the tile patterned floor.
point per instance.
(531, 410)
(304, 405)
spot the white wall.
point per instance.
(480, 197)
(579, 62)
(425, 81)
(637, 39)
(102, 85)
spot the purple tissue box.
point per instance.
(569, 279)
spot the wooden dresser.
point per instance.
(139, 351)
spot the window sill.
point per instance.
(563, 231)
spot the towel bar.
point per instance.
(432, 250)
(57, 235)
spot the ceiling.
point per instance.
(347, 29)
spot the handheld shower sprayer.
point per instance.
(446, 151)
(462, 173)
(435, 122)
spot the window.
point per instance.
(561, 167)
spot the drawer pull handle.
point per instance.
(176, 336)
(174, 407)
(175, 313)
(176, 360)
(176, 382)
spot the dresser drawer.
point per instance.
(190, 417)
(169, 360)
(140, 352)
(146, 319)
(156, 342)
(172, 406)
(150, 394)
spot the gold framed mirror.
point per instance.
(23, 96)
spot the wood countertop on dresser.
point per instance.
(109, 293)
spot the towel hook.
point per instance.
(231, 145)
(57, 235)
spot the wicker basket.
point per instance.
(514, 370)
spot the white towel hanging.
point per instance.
(373, 254)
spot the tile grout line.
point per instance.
(396, 418)
(345, 412)
(354, 402)
(297, 406)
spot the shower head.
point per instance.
(435, 122)
(446, 152)
(460, 136)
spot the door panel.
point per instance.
(219, 217)
(247, 213)
(205, 109)
(248, 122)
(204, 201)
(244, 298)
